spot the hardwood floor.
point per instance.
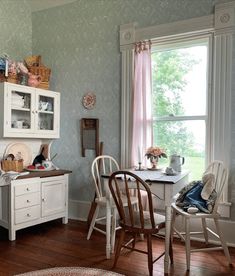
(54, 244)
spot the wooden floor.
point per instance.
(53, 244)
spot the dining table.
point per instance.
(165, 187)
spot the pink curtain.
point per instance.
(142, 109)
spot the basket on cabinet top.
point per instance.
(12, 165)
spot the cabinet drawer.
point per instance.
(26, 188)
(27, 214)
(27, 200)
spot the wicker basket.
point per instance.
(33, 61)
(2, 77)
(42, 71)
(15, 165)
(12, 78)
(43, 85)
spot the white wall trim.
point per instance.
(126, 106)
(221, 89)
(188, 26)
(227, 228)
(78, 209)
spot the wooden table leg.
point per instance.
(167, 238)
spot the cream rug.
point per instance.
(71, 271)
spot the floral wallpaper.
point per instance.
(80, 42)
(16, 29)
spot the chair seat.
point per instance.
(158, 219)
(180, 211)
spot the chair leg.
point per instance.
(173, 225)
(119, 246)
(205, 230)
(93, 222)
(113, 229)
(187, 242)
(134, 240)
(108, 230)
(171, 252)
(150, 254)
(223, 243)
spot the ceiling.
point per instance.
(38, 5)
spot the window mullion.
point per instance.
(180, 118)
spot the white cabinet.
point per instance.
(53, 197)
(31, 201)
(29, 112)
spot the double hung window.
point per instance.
(181, 100)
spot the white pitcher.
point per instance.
(176, 161)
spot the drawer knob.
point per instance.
(28, 201)
(44, 200)
(27, 189)
(28, 215)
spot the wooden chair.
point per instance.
(104, 165)
(135, 221)
(221, 177)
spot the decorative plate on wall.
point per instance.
(89, 100)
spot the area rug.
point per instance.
(71, 271)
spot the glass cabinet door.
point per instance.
(21, 105)
(46, 110)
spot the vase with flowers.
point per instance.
(153, 154)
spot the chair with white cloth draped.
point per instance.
(220, 174)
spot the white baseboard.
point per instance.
(227, 228)
(79, 210)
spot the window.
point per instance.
(180, 101)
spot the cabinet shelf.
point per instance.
(46, 112)
(20, 108)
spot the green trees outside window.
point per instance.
(179, 81)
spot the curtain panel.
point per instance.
(142, 107)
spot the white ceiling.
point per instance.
(38, 5)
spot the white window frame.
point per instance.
(221, 24)
(180, 42)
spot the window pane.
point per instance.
(179, 81)
(186, 138)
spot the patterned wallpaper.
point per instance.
(16, 29)
(80, 42)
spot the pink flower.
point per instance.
(155, 152)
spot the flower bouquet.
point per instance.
(154, 153)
